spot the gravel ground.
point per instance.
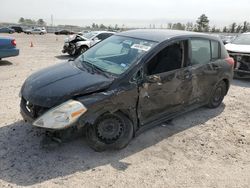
(203, 148)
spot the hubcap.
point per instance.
(109, 130)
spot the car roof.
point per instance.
(160, 35)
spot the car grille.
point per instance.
(32, 110)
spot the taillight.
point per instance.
(230, 61)
(13, 42)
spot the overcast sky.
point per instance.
(129, 12)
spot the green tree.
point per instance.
(189, 26)
(178, 26)
(239, 29)
(30, 22)
(213, 30)
(225, 30)
(232, 28)
(41, 22)
(203, 23)
(21, 20)
(102, 26)
(170, 25)
(245, 27)
(116, 27)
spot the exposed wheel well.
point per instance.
(84, 46)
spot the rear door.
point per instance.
(206, 67)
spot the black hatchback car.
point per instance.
(127, 83)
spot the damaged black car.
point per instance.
(127, 83)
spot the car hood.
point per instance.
(238, 48)
(72, 37)
(56, 84)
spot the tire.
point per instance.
(109, 132)
(218, 95)
(73, 52)
(82, 49)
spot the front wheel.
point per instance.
(217, 95)
(82, 49)
(110, 131)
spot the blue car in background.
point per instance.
(8, 47)
(7, 30)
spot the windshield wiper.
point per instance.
(95, 68)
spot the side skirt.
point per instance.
(166, 118)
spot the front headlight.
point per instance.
(61, 116)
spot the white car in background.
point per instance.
(75, 45)
(40, 31)
(239, 49)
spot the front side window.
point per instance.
(200, 51)
(116, 54)
(170, 58)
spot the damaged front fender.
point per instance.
(122, 100)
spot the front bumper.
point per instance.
(60, 117)
(33, 113)
(242, 64)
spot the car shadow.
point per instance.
(5, 63)
(241, 82)
(25, 161)
(63, 57)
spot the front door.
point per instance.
(167, 84)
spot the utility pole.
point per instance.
(52, 20)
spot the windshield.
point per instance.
(89, 35)
(242, 39)
(116, 53)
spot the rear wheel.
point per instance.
(217, 95)
(111, 131)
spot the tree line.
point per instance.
(202, 25)
(29, 21)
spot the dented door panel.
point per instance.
(168, 95)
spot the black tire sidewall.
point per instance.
(95, 143)
(80, 49)
(211, 103)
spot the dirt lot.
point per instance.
(203, 148)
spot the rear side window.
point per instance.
(201, 53)
(215, 47)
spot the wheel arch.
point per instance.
(92, 118)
